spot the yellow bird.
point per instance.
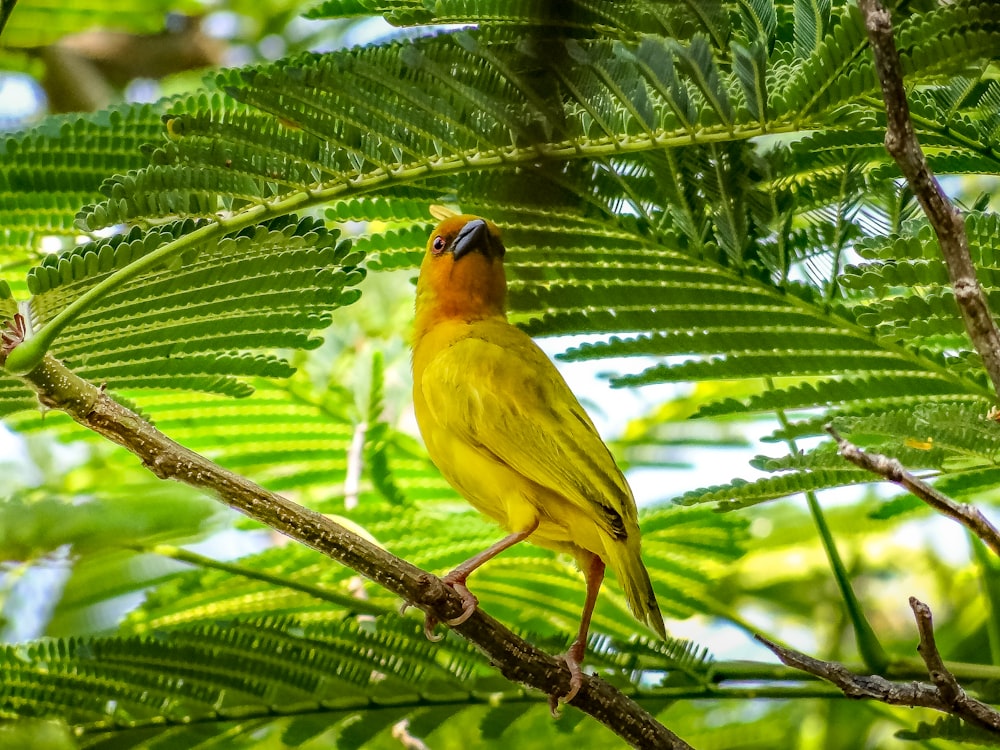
(505, 430)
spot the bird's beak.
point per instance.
(475, 235)
(470, 237)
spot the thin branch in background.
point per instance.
(518, 660)
(355, 465)
(902, 144)
(891, 469)
(988, 573)
(351, 602)
(944, 695)
(869, 646)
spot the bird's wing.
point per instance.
(504, 397)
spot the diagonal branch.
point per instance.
(517, 660)
(902, 144)
(890, 468)
(944, 695)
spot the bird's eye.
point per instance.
(438, 245)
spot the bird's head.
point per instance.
(462, 272)
(464, 234)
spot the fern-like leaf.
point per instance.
(195, 319)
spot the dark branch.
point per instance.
(518, 660)
(944, 695)
(853, 685)
(951, 693)
(901, 142)
(889, 468)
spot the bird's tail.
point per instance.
(624, 559)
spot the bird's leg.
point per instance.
(574, 656)
(456, 579)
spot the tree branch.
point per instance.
(901, 142)
(944, 695)
(891, 469)
(948, 688)
(517, 660)
(859, 686)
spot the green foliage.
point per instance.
(51, 170)
(187, 675)
(952, 728)
(37, 22)
(233, 296)
(698, 191)
(120, 517)
(416, 111)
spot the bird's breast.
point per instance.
(483, 478)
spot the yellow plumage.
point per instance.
(505, 430)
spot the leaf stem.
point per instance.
(989, 576)
(871, 650)
(352, 604)
(872, 653)
(28, 355)
(6, 8)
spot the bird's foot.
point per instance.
(469, 603)
(573, 658)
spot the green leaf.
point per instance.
(741, 494)
(811, 20)
(750, 66)
(696, 60)
(194, 319)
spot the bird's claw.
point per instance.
(469, 604)
(430, 622)
(575, 683)
(469, 600)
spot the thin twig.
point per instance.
(889, 468)
(944, 695)
(853, 685)
(901, 142)
(948, 688)
(517, 660)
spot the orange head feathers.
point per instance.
(462, 276)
